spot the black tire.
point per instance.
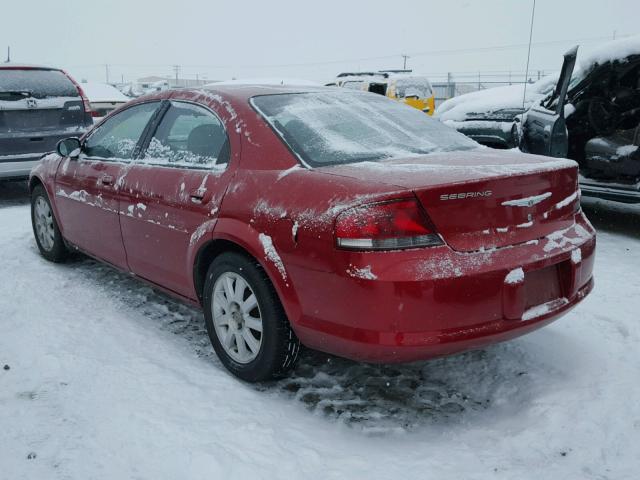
(58, 251)
(279, 346)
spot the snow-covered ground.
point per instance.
(108, 379)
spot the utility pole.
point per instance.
(404, 61)
(106, 72)
(176, 69)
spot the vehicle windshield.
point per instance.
(37, 83)
(413, 87)
(326, 128)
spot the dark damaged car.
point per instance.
(591, 116)
(488, 115)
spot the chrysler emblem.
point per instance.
(31, 103)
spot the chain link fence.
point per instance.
(449, 85)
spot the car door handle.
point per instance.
(198, 196)
(106, 180)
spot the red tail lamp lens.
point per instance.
(384, 226)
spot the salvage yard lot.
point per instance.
(110, 379)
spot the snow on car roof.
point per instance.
(611, 51)
(381, 77)
(245, 91)
(102, 92)
(494, 99)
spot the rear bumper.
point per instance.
(20, 151)
(616, 193)
(19, 146)
(18, 167)
(405, 306)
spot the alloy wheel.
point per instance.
(44, 223)
(237, 317)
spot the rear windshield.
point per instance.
(38, 83)
(326, 128)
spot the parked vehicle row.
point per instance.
(103, 99)
(325, 217)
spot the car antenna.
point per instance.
(526, 72)
(8, 54)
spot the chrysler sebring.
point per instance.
(338, 220)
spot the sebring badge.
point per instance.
(458, 196)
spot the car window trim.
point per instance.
(136, 149)
(139, 159)
(279, 135)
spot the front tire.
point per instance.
(246, 322)
(45, 227)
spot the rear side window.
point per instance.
(118, 136)
(413, 87)
(37, 83)
(188, 136)
(353, 85)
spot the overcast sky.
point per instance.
(300, 39)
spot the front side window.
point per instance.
(189, 136)
(326, 128)
(119, 135)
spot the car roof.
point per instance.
(237, 94)
(24, 66)
(244, 92)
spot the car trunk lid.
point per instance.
(483, 199)
(30, 114)
(34, 99)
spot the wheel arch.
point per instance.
(224, 240)
(207, 254)
(34, 181)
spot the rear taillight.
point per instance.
(385, 226)
(85, 100)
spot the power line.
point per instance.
(453, 51)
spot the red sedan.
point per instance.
(339, 220)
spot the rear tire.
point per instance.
(45, 227)
(246, 322)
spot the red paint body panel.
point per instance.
(89, 209)
(384, 306)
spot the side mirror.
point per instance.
(69, 147)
